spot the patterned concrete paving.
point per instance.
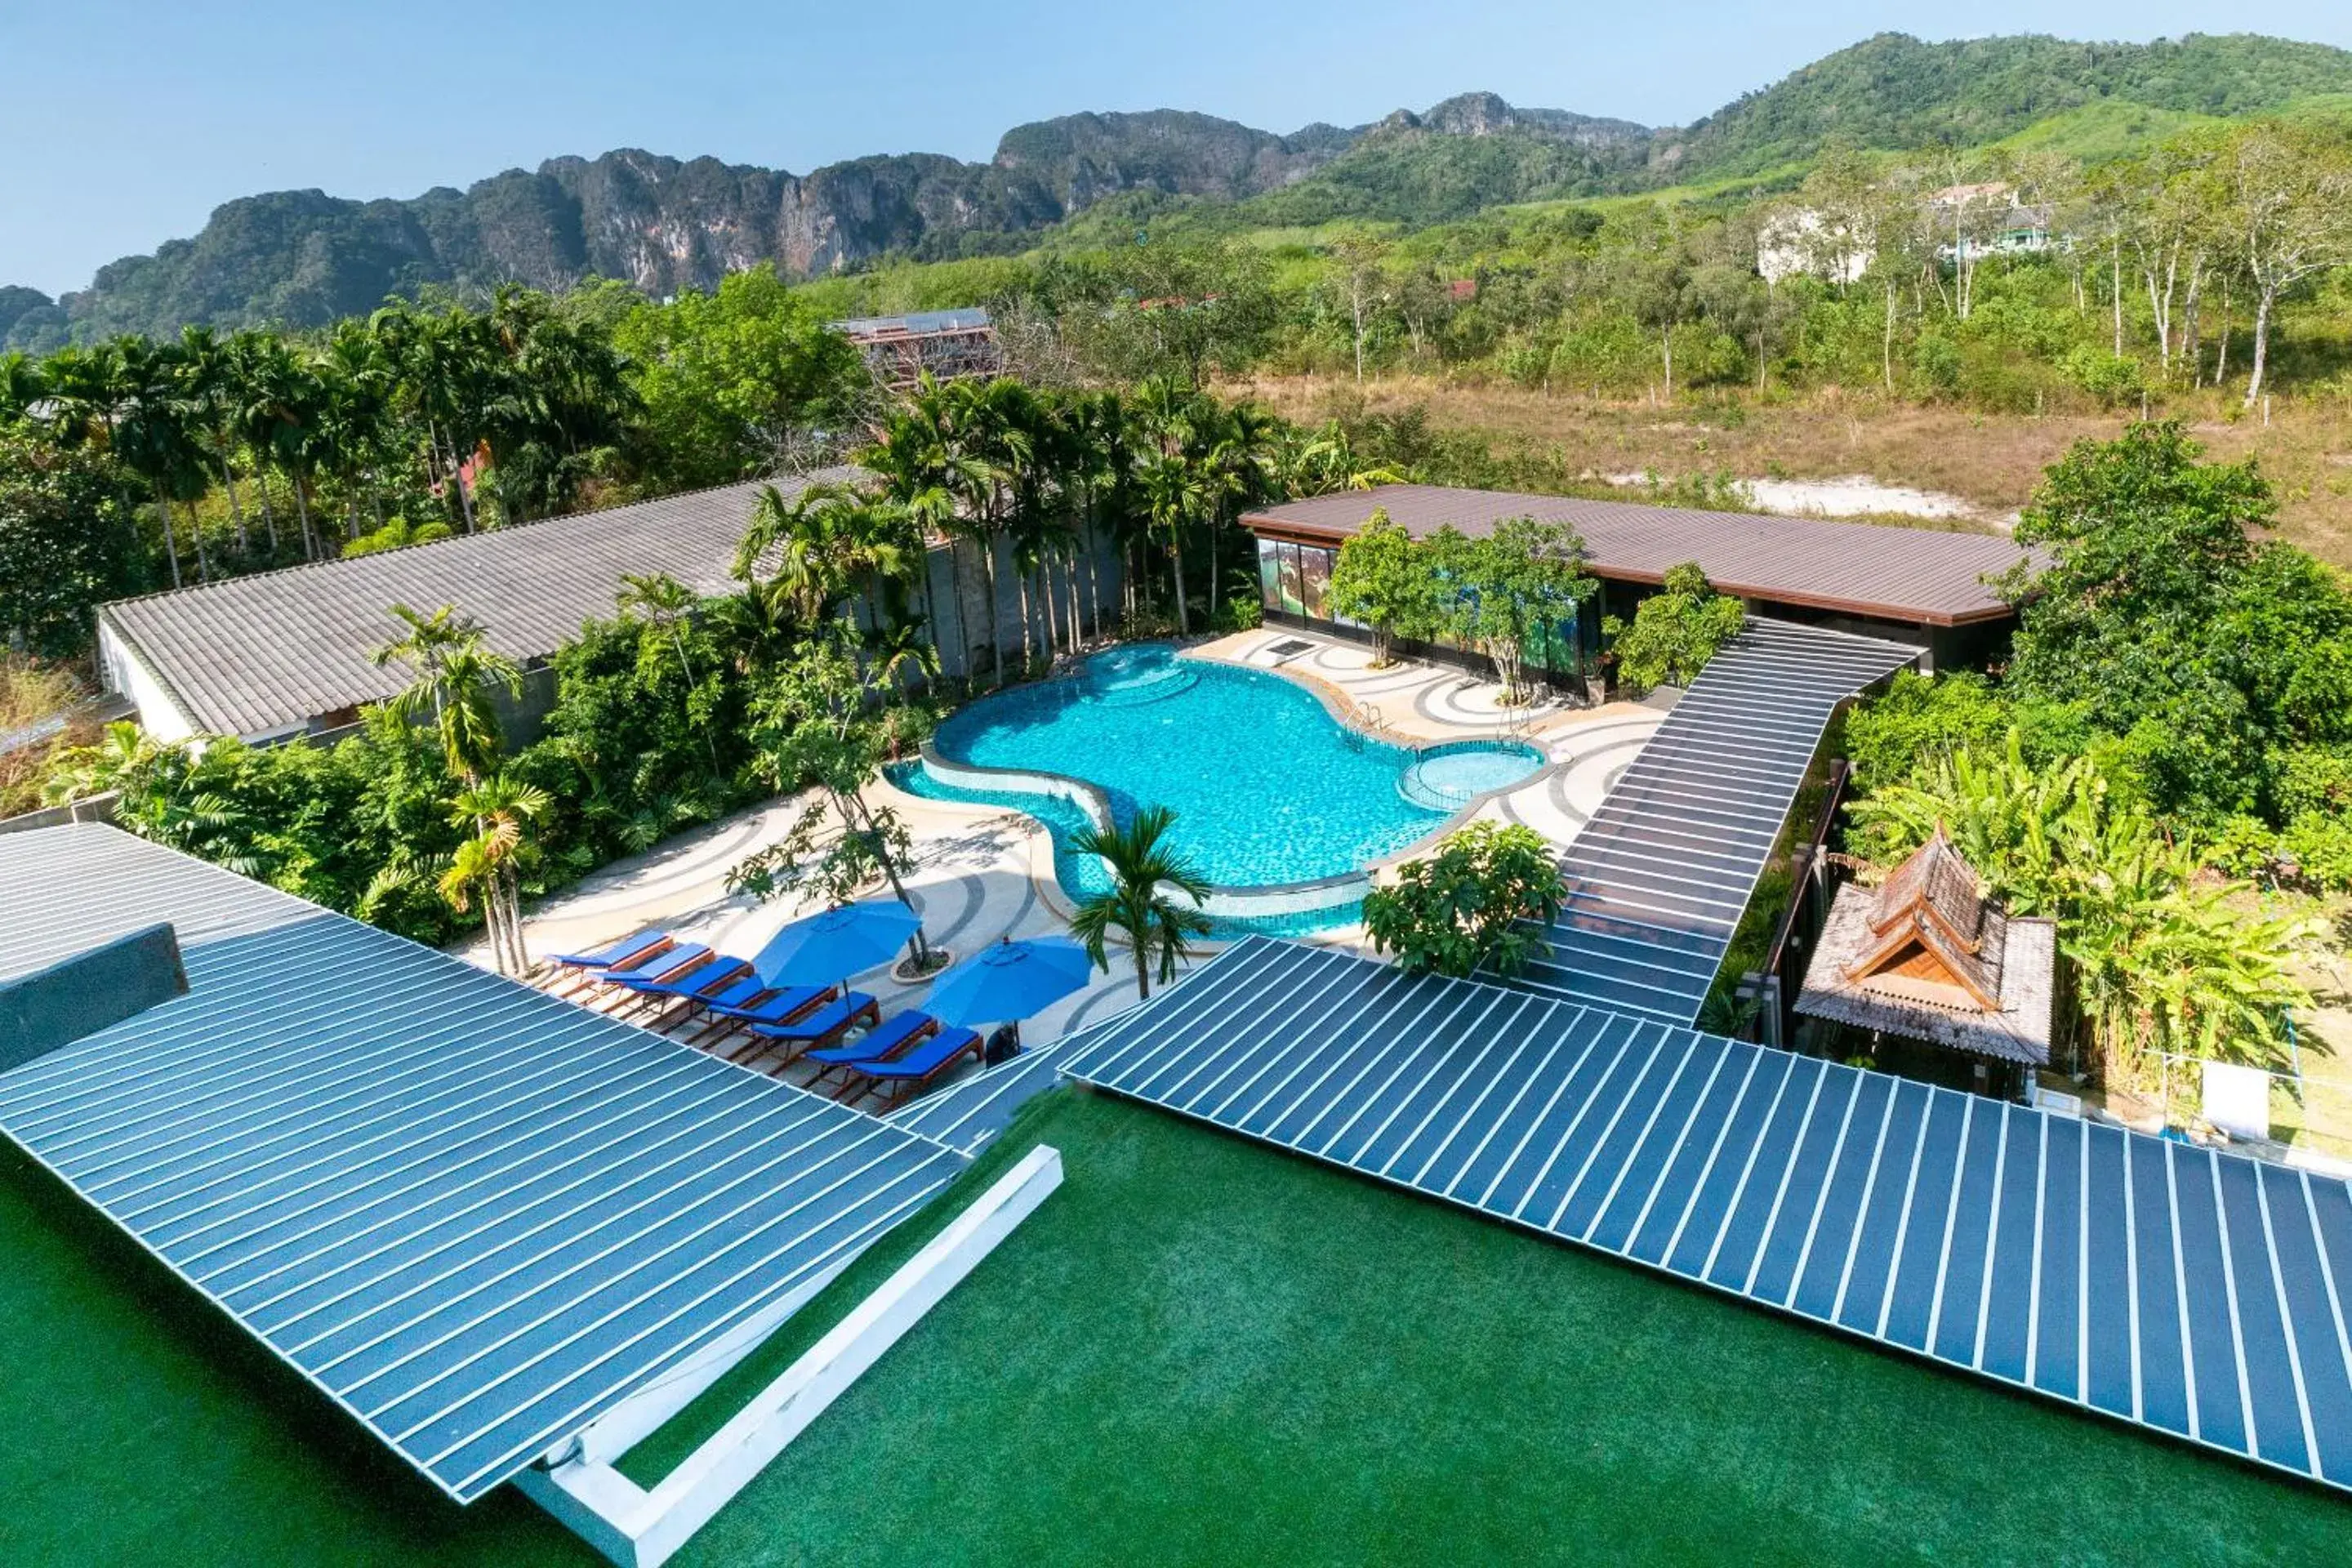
(982, 874)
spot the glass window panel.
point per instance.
(1287, 585)
(1315, 581)
(1269, 574)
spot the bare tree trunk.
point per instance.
(995, 639)
(1666, 342)
(2191, 349)
(2263, 303)
(2115, 287)
(1886, 345)
(1216, 584)
(196, 533)
(2221, 354)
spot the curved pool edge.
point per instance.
(1088, 797)
(1274, 900)
(1270, 905)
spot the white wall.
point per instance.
(125, 672)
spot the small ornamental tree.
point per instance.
(1385, 579)
(1674, 633)
(821, 722)
(1512, 588)
(1463, 909)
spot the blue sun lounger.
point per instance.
(637, 981)
(671, 960)
(826, 1023)
(886, 1039)
(584, 969)
(764, 1006)
(909, 1074)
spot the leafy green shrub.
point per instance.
(1676, 631)
(1460, 909)
(2113, 378)
(2320, 844)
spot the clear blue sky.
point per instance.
(123, 122)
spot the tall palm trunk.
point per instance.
(995, 635)
(1176, 554)
(196, 533)
(1021, 599)
(268, 512)
(1216, 587)
(236, 511)
(302, 510)
(171, 539)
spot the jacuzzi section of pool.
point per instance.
(1268, 789)
(1448, 777)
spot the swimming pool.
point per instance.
(1268, 789)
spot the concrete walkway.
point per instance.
(980, 874)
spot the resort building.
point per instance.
(1927, 588)
(278, 655)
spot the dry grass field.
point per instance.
(1990, 460)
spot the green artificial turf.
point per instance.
(1198, 1349)
(139, 1426)
(1202, 1350)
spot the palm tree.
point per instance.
(914, 456)
(992, 427)
(665, 605)
(357, 383)
(824, 543)
(154, 432)
(1171, 416)
(22, 386)
(489, 864)
(453, 678)
(1141, 864)
(211, 367)
(1238, 469)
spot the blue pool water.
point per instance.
(1449, 777)
(1266, 787)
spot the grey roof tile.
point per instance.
(276, 648)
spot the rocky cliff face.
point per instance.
(664, 225)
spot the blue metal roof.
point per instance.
(1658, 879)
(2175, 1287)
(474, 1215)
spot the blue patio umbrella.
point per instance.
(1009, 981)
(820, 949)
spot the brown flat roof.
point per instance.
(1913, 575)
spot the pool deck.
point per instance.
(1424, 704)
(981, 873)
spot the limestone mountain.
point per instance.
(664, 225)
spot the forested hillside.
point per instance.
(664, 225)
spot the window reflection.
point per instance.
(1315, 581)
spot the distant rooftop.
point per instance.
(969, 319)
(263, 653)
(1915, 574)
